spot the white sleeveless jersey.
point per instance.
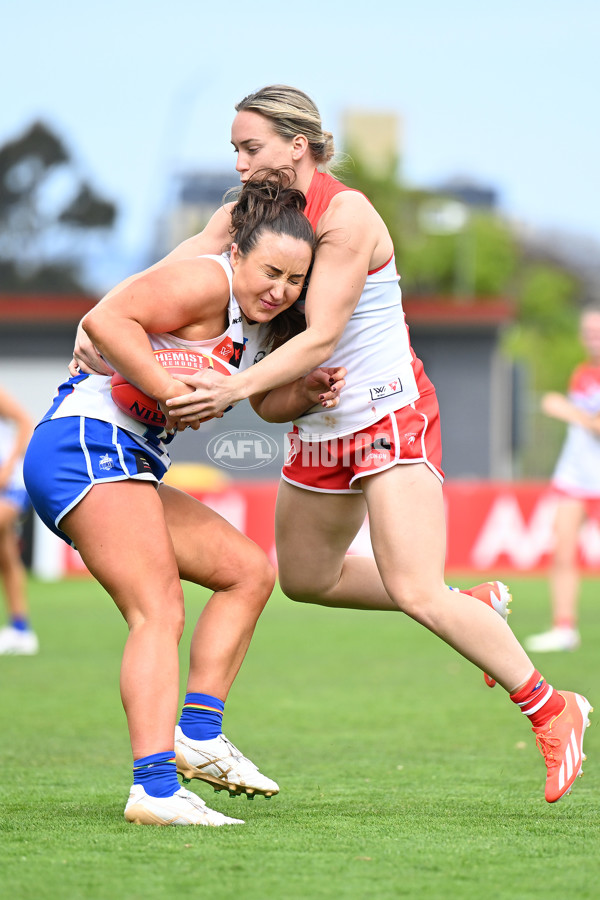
(577, 470)
(90, 395)
(375, 349)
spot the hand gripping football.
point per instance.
(138, 405)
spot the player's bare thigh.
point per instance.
(9, 515)
(408, 529)
(209, 550)
(313, 532)
(120, 530)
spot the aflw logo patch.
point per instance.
(386, 390)
(230, 351)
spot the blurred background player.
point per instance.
(17, 638)
(576, 484)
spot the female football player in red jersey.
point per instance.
(379, 451)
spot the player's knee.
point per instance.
(565, 557)
(258, 574)
(176, 621)
(179, 621)
(172, 616)
(264, 578)
(412, 599)
(299, 596)
(164, 611)
(5, 556)
(298, 588)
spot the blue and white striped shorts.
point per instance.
(66, 457)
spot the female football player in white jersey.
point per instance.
(576, 484)
(379, 451)
(92, 473)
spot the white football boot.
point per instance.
(14, 642)
(220, 764)
(182, 808)
(554, 640)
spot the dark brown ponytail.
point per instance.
(268, 203)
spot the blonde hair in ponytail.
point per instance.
(293, 112)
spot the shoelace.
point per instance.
(195, 801)
(200, 805)
(237, 754)
(547, 745)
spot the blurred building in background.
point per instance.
(195, 196)
(37, 333)
(473, 194)
(459, 346)
(374, 138)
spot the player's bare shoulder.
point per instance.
(352, 221)
(349, 209)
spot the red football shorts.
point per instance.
(408, 435)
(591, 502)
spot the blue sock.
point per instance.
(19, 623)
(202, 717)
(157, 774)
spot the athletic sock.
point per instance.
(538, 700)
(19, 623)
(202, 717)
(157, 774)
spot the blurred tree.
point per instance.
(46, 211)
(546, 331)
(545, 344)
(477, 256)
(385, 193)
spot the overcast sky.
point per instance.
(504, 93)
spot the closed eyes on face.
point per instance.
(277, 266)
(295, 279)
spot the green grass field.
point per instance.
(401, 774)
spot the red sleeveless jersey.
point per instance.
(323, 188)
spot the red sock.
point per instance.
(564, 623)
(538, 700)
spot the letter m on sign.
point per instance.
(506, 536)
